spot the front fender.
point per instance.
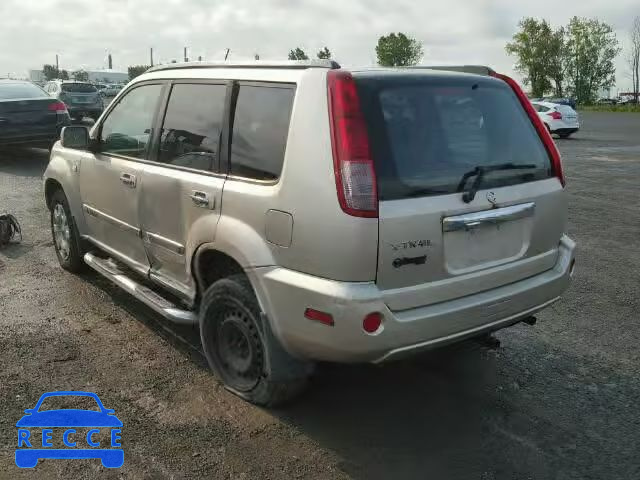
(64, 170)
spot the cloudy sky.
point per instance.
(454, 31)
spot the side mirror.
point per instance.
(75, 137)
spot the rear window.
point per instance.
(427, 133)
(78, 88)
(11, 91)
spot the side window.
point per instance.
(260, 130)
(192, 126)
(127, 129)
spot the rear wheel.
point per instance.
(565, 135)
(240, 349)
(65, 235)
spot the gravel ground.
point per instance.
(556, 401)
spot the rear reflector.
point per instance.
(372, 322)
(319, 316)
(544, 134)
(555, 115)
(352, 162)
(58, 107)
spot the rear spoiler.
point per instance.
(475, 69)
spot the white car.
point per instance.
(559, 119)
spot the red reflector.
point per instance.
(58, 107)
(372, 322)
(352, 161)
(544, 134)
(318, 316)
(555, 115)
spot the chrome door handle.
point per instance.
(128, 179)
(201, 199)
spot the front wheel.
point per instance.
(240, 348)
(65, 235)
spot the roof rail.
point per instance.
(475, 69)
(284, 64)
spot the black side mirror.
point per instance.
(75, 137)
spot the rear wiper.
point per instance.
(479, 172)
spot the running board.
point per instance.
(109, 269)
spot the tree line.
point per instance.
(574, 60)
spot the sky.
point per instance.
(83, 32)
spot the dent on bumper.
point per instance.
(285, 294)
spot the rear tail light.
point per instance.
(58, 107)
(352, 161)
(555, 115)
(544, 134)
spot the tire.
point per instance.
(241, 350)
(564, 135)
(66, 239)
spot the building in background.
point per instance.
(103, 76)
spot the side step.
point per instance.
(109, 269)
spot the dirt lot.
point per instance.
(556, 401)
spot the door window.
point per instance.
(260, 131)
(128, 128)
(192, 126)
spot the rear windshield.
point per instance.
(11, 91)
(426, 133)
(78, 88)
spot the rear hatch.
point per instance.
(468, 200)
(569, 115)
(79, 94)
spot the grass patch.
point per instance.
(629, 108)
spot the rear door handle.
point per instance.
(201, 199)
(128, 179)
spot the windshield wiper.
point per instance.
(479, 172)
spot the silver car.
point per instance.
(301, 212)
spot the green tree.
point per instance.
(633, 58)
(592, 47)
(50, 72)
(135, 70)
(64, 75)
(398, 50)
(298, 54)
(80, 76)
(539, 54)
(324, 54)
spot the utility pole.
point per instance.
(110, 62)
(151, 56)
(226, 54)
(186, 59)
(57, 65)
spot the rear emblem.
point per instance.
(491, 197)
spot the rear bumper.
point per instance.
(285, 294)
(88, 110)
(28, 139)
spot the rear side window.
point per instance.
(78, 88)
(260, 130)
(192, 126)
(13, 91)
(427, 133)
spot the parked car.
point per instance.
(559, 119)
(606, 101)
(561, 101)
(112, 90)
(300, 212)
(28, 116)
(81, 98)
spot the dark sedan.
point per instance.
(28, 116)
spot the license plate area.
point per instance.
(486, 239)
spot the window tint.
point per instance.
(78, 88)
(426, 135)
(260, 129)
(192, 125)
(11, 91)
(128, 127)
